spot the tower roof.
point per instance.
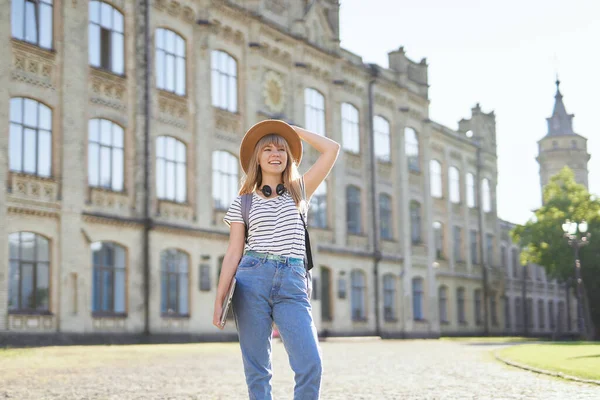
(560, 123)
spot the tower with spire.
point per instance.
(562, 146)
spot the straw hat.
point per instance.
(266, 127)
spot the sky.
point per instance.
(504, 55)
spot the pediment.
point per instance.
(317, 26)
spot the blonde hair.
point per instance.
(291, 176)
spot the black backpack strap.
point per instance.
(308, 261)
(246, 206)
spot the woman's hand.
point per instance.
(217, 316)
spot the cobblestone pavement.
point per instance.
(353, 369)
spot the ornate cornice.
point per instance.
(176, 9)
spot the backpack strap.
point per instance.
(308, 261)
(246, 206)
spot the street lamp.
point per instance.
(576, 241)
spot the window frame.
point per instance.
(412, 149)
(357, 296)
(386, 227)
(108, 64)
(443, 304)
(353, 210)
(112, 150)
(454, 183)
(36, 264)
(178, 257)
(470, 185)
(418, 295)
(163, 54)
(350, 128)
(460, 305)
(382, 139)
(317, 218)
(416, 223)
(177, 143)
(435, 179)
(227, 79)
(389, 298)
(112, 269)
(22, 127)
(40, 22)
(314, 111)
(223, 194)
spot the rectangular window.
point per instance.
(473, 244)
(31, 21)
(204, 277)
(457, 237)
(326, 303)
(489, 244)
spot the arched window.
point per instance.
(435, 170)
(358, 295)
(105, 37)
(314, 111)
(454, 178)
(411, 148)
(108, 287)
(486, 195)
(443, 300)
(386, 230)
(30, 142)
(382, 138)
(105, 155)
(174, 282)
(224, 81)
(415, 222)
(350, 128)
(318, 207)
(460, 305)
(389, 297)
(477, 298)
(171, 179)
(170, 61)
(31, 21)
(353, 212)
(458, 247)
(29, 269)
(470, 190)
(225, 179)
(417, 293)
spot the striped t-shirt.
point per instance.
(275, 224)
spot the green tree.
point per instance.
(543, 241)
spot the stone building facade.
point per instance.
(119, 158)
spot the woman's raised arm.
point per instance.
(329, 150)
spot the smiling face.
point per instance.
(273, 158)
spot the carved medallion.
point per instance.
(274, 92)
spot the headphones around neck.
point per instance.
(267, 191)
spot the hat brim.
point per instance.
(266, 127)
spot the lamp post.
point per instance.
(577, 237)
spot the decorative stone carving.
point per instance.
(274, 92)
(384, 170)
(110, 324)
(31, 323)
(34, 188)
(174, 211)
(354, 161)
(109, 200)
(384, 101)
(390, 247)
(108, 89)
(227, 32)
(227, 121)
(276, 6)
(322, 236)
(33, 65)
(173, 109)
(358, 242)
(176, 9)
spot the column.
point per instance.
(4, 110)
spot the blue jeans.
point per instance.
(276, 290)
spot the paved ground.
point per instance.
(353, 369)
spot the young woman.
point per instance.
(272, 282)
